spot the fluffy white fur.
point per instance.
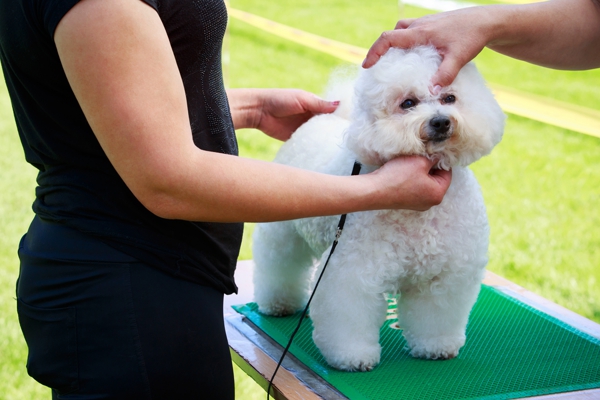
(433, 261)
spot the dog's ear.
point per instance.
(482, 105)
(480, 120)
(376, 141)
(358, 138)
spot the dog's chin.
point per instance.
(436, 151)
(433, 150)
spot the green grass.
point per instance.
(542, 189)
(17, 182)
(541, 184)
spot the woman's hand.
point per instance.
(458, 36)
(412, 183)
(276, 112)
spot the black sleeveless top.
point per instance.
(77, 185)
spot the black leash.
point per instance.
(338, 233)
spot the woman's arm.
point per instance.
(119, 62)
(562, 34)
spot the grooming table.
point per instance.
(518, 345)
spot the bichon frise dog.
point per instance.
(432, 261)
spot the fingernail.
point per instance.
(335, 103)
(436, 90)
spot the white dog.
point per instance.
(433, 261)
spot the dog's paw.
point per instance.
(353, 357)
(439, 348)
(279, 309)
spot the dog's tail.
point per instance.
(341, 87)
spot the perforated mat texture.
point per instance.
(512, 351)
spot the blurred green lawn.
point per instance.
(541, 184)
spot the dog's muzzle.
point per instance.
(439, 128)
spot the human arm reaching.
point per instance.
(119, 63)
(561, 34)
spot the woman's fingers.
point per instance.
(401, 38)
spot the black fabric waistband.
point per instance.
(49, 239)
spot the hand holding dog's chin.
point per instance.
(412, 183)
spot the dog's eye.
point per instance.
(449, 99)
(408, 103)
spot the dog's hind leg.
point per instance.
(434, 318)
(283, 266)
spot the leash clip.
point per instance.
(338, 233)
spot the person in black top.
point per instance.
(120, 105)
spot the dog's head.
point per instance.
(395, 113)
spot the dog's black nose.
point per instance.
(440, 126)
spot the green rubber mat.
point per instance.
(512, 351)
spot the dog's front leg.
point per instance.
(434, 317)
(347, 318)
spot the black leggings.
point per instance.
(101, 325)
